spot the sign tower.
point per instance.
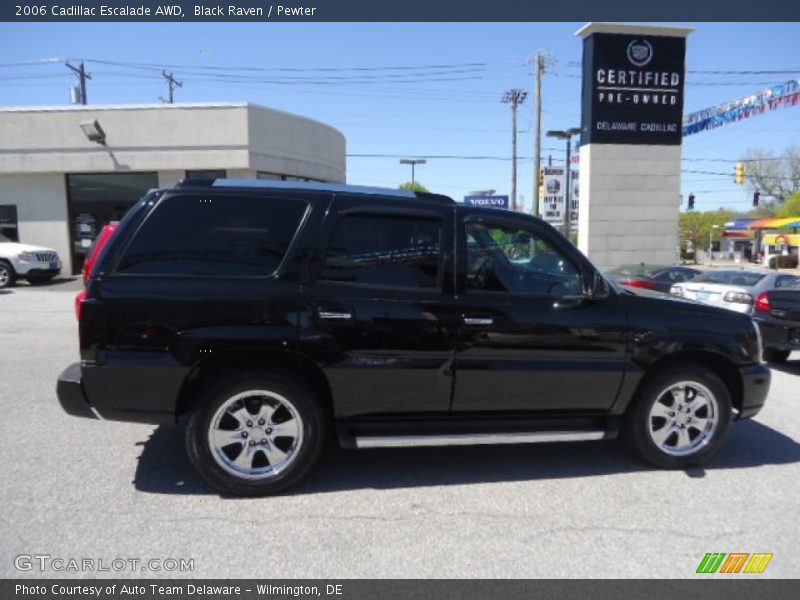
(630, 155)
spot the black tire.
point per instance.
(636, 428)
(7, 274)
(775, 355)
(304, 449)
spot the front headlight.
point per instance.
(26, 257)
(676, 290)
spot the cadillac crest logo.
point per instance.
(640, 52)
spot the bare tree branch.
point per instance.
(772, 176)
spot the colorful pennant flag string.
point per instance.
(785, 94)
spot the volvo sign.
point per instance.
(487, 201)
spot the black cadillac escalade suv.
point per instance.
(269, 315)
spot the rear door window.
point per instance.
(214, 236)
(384, 250)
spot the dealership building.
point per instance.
(65, 171)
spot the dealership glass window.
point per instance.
(206, 174)
(384, 250)
(510, 259)
(8, 222)
(95, 199)
(196, 235)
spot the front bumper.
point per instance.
(71, 395)
(755, 387)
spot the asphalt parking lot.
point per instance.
(76, 488)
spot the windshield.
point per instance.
(4, 239)
(745, 278)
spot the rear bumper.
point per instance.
(139, 389)
(71, 396)
(779, 335)
(755, 387)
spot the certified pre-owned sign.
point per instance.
(633, 89)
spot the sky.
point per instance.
(410, 89)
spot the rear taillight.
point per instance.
(639, 283)
(79, 300)
(762, 303)
(738, 297)
(91, 260)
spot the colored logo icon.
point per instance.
(734, 562)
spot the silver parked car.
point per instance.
(732, 289)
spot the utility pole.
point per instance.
(537, 151)
(172, 83)
(82, 77)
(540, 61)
(514, 97)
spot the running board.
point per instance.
(469, 439)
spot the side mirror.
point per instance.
(595, 287)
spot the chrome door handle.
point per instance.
(478, 320)
(335, 315)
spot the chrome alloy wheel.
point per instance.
(684, 418)
(255, 434)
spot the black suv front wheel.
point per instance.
(255, 434)
(680, 418)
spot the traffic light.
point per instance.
(756, 197)
(690, 203)
(541, 177)
(740, 173)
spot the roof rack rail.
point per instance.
(312, 186)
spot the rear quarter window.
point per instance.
(214, 236)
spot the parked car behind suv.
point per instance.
(734, 289)
(23, 261)
(777, 313)
(659, 278)
(268, 314)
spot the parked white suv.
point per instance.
(23, 261)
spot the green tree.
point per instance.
(790, 207)
(699, 227)
(413, 186)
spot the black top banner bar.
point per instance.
(255, 11)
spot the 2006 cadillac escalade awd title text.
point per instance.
(269, 315)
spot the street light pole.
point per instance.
(710, 244)
(413, 162)
(514, 97)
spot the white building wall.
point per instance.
(283, 143)
(39, 145)
(41, 202)
(630, 194)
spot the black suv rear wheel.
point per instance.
(680, 418)
(255, 434)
